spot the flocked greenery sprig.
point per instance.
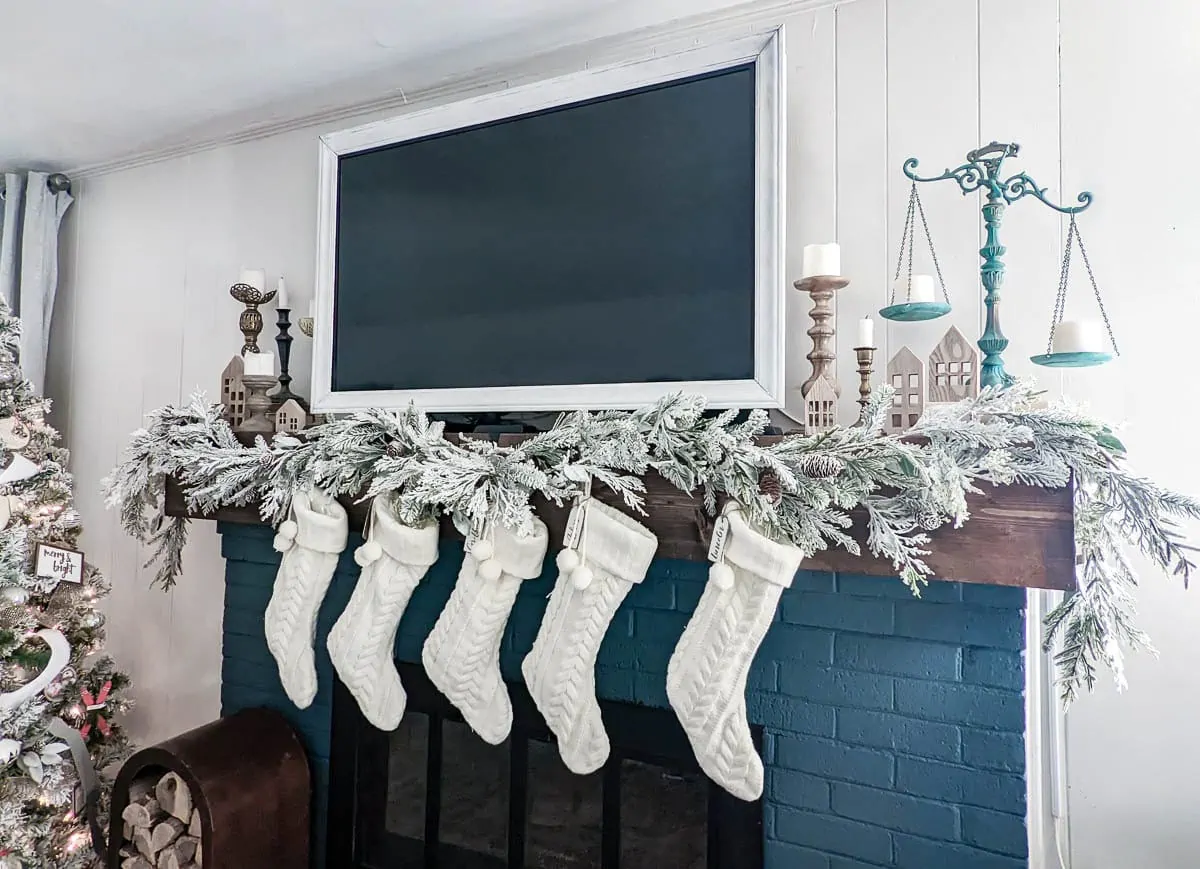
(907, 486)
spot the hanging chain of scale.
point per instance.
(1077, 344)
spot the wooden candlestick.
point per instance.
(821, 289)
(283, 341)
(866, 360)
(258, 404)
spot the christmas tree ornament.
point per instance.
(14, 594)
(612, 556)
(14, 433)
(462, 653)
(362, 642)
(93, 706)
(15, 467)
(60, 656)
(305, 571)
(706, 676)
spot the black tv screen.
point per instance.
(604, 241)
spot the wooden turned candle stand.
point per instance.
(822, 331)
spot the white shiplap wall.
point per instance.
(144, 318)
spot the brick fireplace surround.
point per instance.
(893, 726)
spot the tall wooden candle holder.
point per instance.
(258, 404)
(866, 367)
(821, 288)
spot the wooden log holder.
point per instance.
(249, 779)
(1017, 535)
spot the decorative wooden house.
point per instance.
(291, 417)
(953, 368)
(820, 406)
(233, 392)
(906, 374)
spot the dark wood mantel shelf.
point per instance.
(1017, 535)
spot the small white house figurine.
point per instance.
(291, 417)
(906, 375)
(953, 368)
(820, 406)
(233, 392)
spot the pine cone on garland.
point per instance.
(770, 486)
(819, 466)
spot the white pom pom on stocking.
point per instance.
(706, 677)
(613, 555)
(310, 543)
(462, 654)
(394, 559)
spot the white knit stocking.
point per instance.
(310, 545)
(394, 559)
(706, 677)
(613, 554)
(462, 654)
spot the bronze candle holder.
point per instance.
(258, 404)
(821, 289)
(866, 361)
(250, 321)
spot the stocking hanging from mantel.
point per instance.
(310, 542)
(394, 559)
(606, 554)
(462, 654)
(706, 676)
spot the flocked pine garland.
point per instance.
(907, 486)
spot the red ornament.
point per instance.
(95, 704)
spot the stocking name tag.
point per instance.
(720, 535)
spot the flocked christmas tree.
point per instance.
(49, 627)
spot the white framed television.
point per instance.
(595, 240)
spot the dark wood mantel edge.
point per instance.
(1017, 535)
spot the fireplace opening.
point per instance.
(433, 795)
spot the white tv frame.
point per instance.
(765, 389)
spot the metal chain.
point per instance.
(1095, 287)
(1060, 301)
(933, 253)
(906, 238)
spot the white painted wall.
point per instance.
(144, 317)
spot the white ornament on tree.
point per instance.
(60, 657)
(462, 654)
(362, 643)
(317, 536)
(613, 555)
(706, 676)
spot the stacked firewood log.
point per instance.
(161, 827)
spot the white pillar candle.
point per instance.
(256, 278)
(922, 289)
(1078, 336)
(260, 364)
(281, 295)
(822, 260)
(866, 333)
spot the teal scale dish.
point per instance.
(1071, 360)
(911, 312)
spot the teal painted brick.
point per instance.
(687, 595)
(659, 627)
(776, 853)
(915, 853)
(839, 611)
(781, 712)
(784, 642)
(899, 657)
(836, 862)
(798, 790)
(653, 592)
(836, 687)
(961, 704)
(892, 587)
(768, 821)
(900, 734)
(650, 689)
(995, 831)
(1001, 596)
(833, 760)
(614, 684)
(895, 811)
(989, 749)
(995, 668)
(247, 543)
(955, 623)
(815, 580)
(961, 785)
(825, 833)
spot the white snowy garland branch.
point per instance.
(800, 489)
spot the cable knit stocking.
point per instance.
(613, 554)
(706, 677)
(462, 654)
(310, 545)
(394, 559)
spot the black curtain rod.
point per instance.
(57, 183)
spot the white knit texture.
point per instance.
(462, 654)
(706, 677)
(304, 574)
(560, 669)
(362, 642)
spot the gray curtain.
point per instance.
(29, 226)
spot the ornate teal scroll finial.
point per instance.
(982, 172)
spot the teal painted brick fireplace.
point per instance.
(893, 727)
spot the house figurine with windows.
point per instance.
(291, 417)
(906, 375)
(953, 371)
(233, 391)
(820, 406)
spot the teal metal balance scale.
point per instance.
(982, 171)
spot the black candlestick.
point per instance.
(284, 342)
